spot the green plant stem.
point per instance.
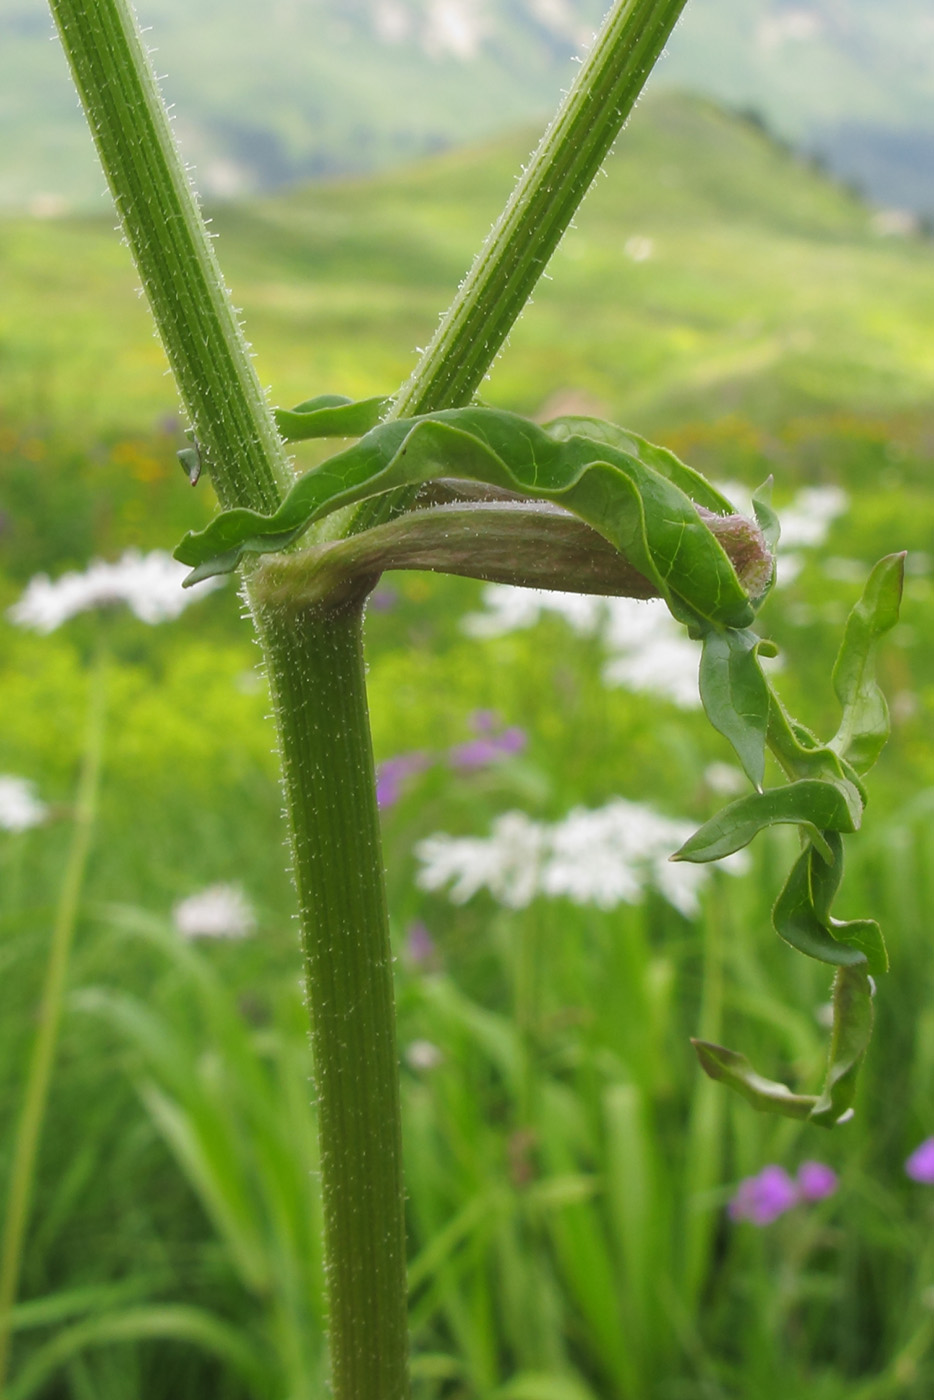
(536, 217)
(232, 423)
(540, 208)
(338, 870)
(314, 656)
(315, 670)
(39, 1076)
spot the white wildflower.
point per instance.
(649, 652)
(149, 584)
(507, 863)
(604, 856)
(512, 609)
(220, 911)
(20, 807)
(423, 1055)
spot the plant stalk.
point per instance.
(232, 423)
(536, 217)
(338, 870)
(39, 1077)
(316, 674)
(540, 208)
(314, 656)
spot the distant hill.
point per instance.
(713, 276)
(295, 89)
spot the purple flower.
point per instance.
(920, 1165)
(816, 1181)
(485, 721)
(763, 1198)
(391, 774)
(481, 752)
(419, 945)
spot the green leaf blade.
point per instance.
(735, 695)
(732, 1068)
(852, 1029)
(800, 918)
(643, 514)
(810, 802)
(330, 415)
(864, 726)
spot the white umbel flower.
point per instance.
(646, 649)
(20, 807)
(149, 584)
(604, 856)
(507, 862)
(648, 652)
(220, 911)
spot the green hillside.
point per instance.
(710, 273)
(267, 95)
(570, 1172)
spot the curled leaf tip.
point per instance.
(747, 547)
(767, 1095)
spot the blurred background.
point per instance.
(753, 286)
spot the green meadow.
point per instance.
(569, 1168)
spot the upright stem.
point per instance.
(316, 673)
(536, 217)
(314, 655)
(338, 871)
(541, 207)
(170, 245)
(39, 1076)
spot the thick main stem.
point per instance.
(314, 656)
(316, 672)
(316, 669)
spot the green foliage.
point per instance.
(644, 512)
(659, 516)
(566, 1168)
(806, 322)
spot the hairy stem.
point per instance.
(316, 675)
(540, 208)
(233, 425)
(537, 214)
(338, 869)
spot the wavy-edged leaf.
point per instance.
(735, 695)
(852, 1029)
(800, 917)
(864, 934)
(660, 459)
(648, 518)
(811, 803)
(802, 754)
(864, 727)
(330, 415)
(767, 1095)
